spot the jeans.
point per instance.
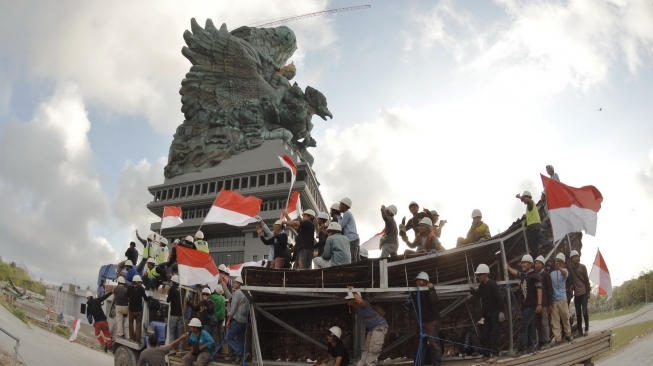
(236, 330)
(209, 329)
(491, 333)
(526, 328)
(175, 323)
(304, 258)
(354, 247)
(141, 265)
(533, 238)
(580, 302)
(219, 332)
(388, 250)
(152, 283)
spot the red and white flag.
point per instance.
(571, 209)
(76, 325)
(171, 217)
(373, 242)
(233, 209)
(601, 276)
(288, 163)
(196, 267)
(294, 208)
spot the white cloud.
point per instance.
(50, 191)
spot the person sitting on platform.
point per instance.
(413, 222)
(477, 233)
(156, 355)
(200, 345)
(425, 241)
(279, 241)
(153, 275)
(337, 354)
(336, 251)
(131, 272)
(377, 327)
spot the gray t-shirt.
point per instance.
(154, 356)
(370, 317)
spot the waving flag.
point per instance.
(76, 325)
(571, 209)
(233, 209)
(171, 217)
(196, 267)
(373, 242)
(288, 163)
(294, 206)
(601, 276)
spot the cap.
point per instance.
(422, 276)
(195, 323)
(363, 252)
(527, 258)
(129, 263)
(426, 221)
(560, 257)
(175, 279)
(151, 260)
(323, 216)
(309, 212)
(392, 208)
(206, 291)
(239, 279)
(346, 201)
(137, 278)
(199, 235)
(573, 253)
(540, 259)
(334, 226)
(121, 279)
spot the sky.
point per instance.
(457, 105)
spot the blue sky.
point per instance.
(457, 105)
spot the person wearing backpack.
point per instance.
(219, 302)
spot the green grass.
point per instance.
(18, 312)
(624, 335)
(620, 312)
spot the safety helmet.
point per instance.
(278, 222)
(541, 259)
(89, 294)
(336, 331)
(222, 268)
(426, 221)
(129, 263)
(346, 201)
(199, 235)
(527, 193)
(476, 213)
(195, 323)
(239, 279)
(413, 203)
(228, 270)
(137, 278)
(363, 252)
(561, 257)
(334, 226)
(323, 216)
(309, 212)
(350, 295)
(550, 166)
(335, 206)
(573, 253)
(219, 290)
(190, 239)
(175, 279)
(392, 209)
(151, 260)
(121, 280)
(434, 213)
(151, 237)
(527, 258)
(176, 241)
(206, 291)
(422, 276)
(482, 269)
(164, 241)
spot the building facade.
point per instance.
(256, 173)
(68, 300)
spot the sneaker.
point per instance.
(568, 339)
(518, 354)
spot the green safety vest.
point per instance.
(162, 257)
(152, 273)
(532, 216)
(147, 251)
(202, 246)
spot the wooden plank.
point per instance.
(291, 329)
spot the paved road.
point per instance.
(40, 347)
(638, 353)
(642, 315)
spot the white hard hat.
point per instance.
(561, 256)
(176, 241)
(422, 276)
(476, 213)
(164, 241)
(363, 252)
(228, 270)
(392, 208)
(573, 253)
(278, 222)
(309, 212)
(336, 331)
(346, 201)
(434, 213)
(527, 258)
(335, 206)
(190, 239)
(527, 193)
(334, 226)
(206, 291)
(175, 279)
(151, 260)
(195, 323)
(137, 278)
(541, 259)
(219, 290)
(426, 221)
(482, 269)
(239, 279)
(222, 268)
(323, 216)
(121, 280)
(199, 235)
(89, 294)
(129, 263)
(150, 237)
(412, 203)
(350, 295)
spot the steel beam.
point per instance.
(506, 278)
(288, 327)
(255, 339)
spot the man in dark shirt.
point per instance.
(132, 252)
(413, 222)
(542, 319)
(581, 284)
(122, 308)
(492, 309)
(305, 242)
(335, 350)
(176, 319)
(135, 295)
(531, 287)
(391, 243)
(100, 324)
(156, 355)
(205, 311)
(427, 303)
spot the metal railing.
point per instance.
(13, 362)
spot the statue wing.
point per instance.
(226, 73)
(275, 45)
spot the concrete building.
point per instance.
(256, 173)
(67, 299)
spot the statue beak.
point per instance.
(325, 112)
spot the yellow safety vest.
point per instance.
(202, 246)
(152, 273)
(147, 250)
(532, 216)
(162, 257)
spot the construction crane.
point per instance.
(269, 23)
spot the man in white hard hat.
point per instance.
(478, 232)
(337, 354)
(336, 250)
(161, 254)
(427, 304)
(334, 212)
(305, 242)
(135, 296)
(492, 309)
(218, 299)
(100, 324)
(533, 223)
(414, 221)
(279, 243)
(377, 327)
(531, 288)
(176, 319)
(148, 250)
(205, 311)
(237, 322)
(200, 244)
(560, 310)
(581, 284)
(122, 306)
(542, 319)
(131, 272)
(348, 225)
(425, 241)
(322, 235)
(551, 172)
(153, 275)
(200, 345)
(391, 242)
